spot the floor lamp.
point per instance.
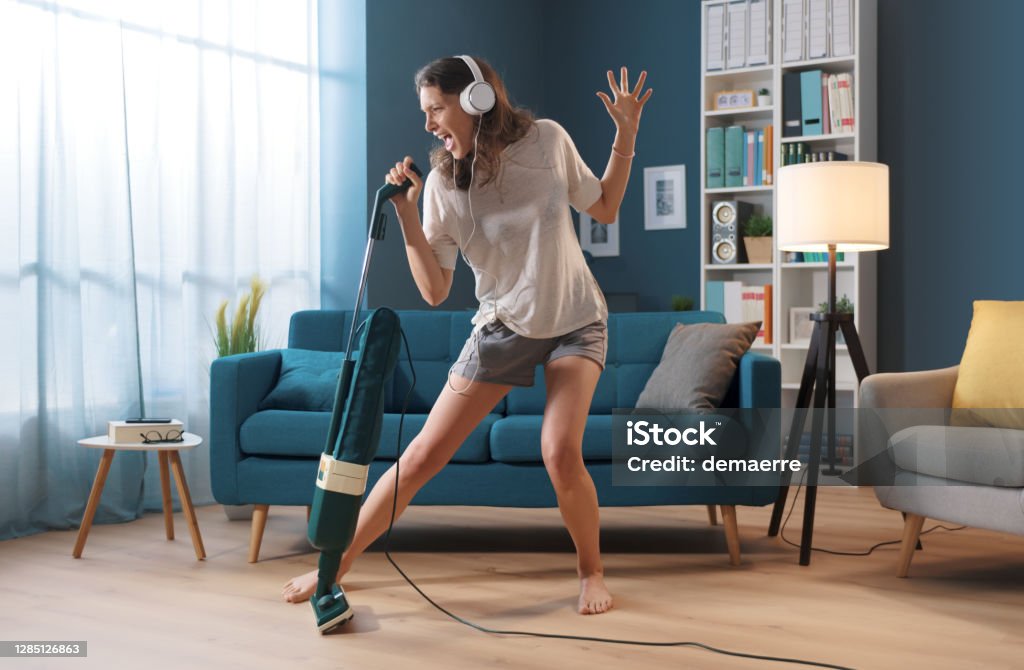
(826, 206)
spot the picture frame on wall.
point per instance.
(800, 325)
(600, 239)
(665, 197)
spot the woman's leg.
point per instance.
(571, 381)
(451, 420)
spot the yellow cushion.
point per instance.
(991, 377)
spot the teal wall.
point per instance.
(949, 86)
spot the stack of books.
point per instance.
(134, 432)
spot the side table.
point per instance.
(167, 452)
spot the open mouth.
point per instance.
(449, 142)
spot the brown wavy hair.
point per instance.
(499, 127)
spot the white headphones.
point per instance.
(478, 98)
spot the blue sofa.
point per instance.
(270, 457)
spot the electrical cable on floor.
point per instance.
(792, 506)
(556, 636)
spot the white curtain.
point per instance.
(154, 156)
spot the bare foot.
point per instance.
(299, 589)
(594, 595)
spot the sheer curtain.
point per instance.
(154, 156)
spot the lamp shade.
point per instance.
(845, 203)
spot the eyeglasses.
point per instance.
(154, 437)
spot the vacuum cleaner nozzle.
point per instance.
(331, 610)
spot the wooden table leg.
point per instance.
(165, 489)
(94, 501)
(186, 503)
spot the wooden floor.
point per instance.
(142, 601)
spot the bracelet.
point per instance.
(620, 154)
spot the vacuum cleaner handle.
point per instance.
(388, 190)
(383, 193)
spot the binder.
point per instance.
(769, 155)
(733, 299)
(714, 296)
(714, 150)
(737, 32)
(791, 111)
(842, 28)
(810, 96)
(734, 156)
(759, 42)
(792, 30)
(817, 29)
(714, 58)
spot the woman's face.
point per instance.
(447, 121)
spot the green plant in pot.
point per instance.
(843, 306)
(681, 303)
(757, 238)
(242, 333)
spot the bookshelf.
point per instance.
(795, 284)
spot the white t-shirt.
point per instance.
(524, 250)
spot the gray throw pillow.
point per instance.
(697, 366)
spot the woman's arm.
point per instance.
(433, 281)
(625, 111)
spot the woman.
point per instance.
(499, 192)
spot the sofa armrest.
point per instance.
(237, 386)
(928, 388)
(760, 381)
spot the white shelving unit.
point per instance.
(797, 284)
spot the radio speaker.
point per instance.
(726, 216)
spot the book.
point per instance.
(844, 83)
(122, 432)
(752, 298)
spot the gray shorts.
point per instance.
(496, 354)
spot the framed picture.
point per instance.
(734, 99)
(598, 238)
(665, 197)
(800, 325)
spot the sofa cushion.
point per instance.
(308, 380)
(304, 434)
(516, 439)
(635, 344)
(697, 366)
(990, 383)
(977, 455)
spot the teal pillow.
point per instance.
(308, 380)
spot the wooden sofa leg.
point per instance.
(732, 533)
(712, 515)
(259, 522)
(911, 532)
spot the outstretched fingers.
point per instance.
(640, 83)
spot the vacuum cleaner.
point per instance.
(354, 434)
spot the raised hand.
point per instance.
(627, 106)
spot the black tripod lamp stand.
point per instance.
(826, 207)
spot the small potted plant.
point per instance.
(681, 303)
(764, 97)
(843, 306)
(757, 238)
